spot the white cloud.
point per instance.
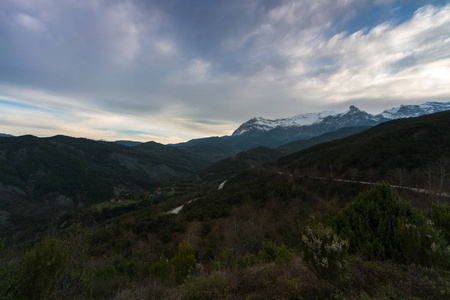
(198, 69)
(406, 62)
(30, 23)
(174, 70)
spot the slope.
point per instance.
(326, 137)
(73, 166)
(414, 150)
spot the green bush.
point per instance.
(421, 245)
(284, 255)
(279, 255)
(161, 269)
(440, 215)
(42, 266)
(246, 260)
(323, 250)
(183, 261)
(56, 268)
(378, 224)
(225, 260)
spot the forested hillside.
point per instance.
(284, 230)
(413, 152)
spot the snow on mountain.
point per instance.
(352, 117)
(409, 111)
(259, 124)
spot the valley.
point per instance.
(357, 212)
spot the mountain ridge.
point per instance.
(274, 133)
(403, 111)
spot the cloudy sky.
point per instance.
(172, 70)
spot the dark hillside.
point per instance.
(255, 157)
(74, 165)
(60, 174)
(240, 162)
(407, 150)
(265, 234)
(326, 137)
(286, 229)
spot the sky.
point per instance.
(174, 70)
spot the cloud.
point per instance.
(30, 23)
(171, 71)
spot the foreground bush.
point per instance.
(56, 269)
(323, 250)
(379, 225)
(183, 261)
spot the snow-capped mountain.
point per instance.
(259, 124)
(273, 133)
(352, 117)
(408, 111)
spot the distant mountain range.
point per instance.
(274, 133)
(5, 135)
(32, 167)
(352, 116)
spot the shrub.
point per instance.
(378, 224)
(161, 269)
(225, 260)
(284, 255)
(323, 250)
(246, 260)
(440, 215)
(183, 261)
(369, 221)
(56, 268)
(279, 255)
(421, 244)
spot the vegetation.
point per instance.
(263, 247)
(380, 225)
(269, 233)
(408, 152)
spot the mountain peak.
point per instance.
(415, 110)
(353, 110)
(260, 125)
